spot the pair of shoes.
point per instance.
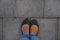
(30, 26)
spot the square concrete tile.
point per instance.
(6, 8)
(52, 8)
(12, 28)
(0, 29)
(47, 29)
(59, 29)
(29, 8)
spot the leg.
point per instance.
(33, 37)
(24, 37)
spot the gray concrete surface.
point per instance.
(48, 29)
(13, 12)
(0, 29)
(6, 8)
(29, 8)
(59, 29)
(10, 29)
(52, 8)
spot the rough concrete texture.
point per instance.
(47, 27)
(52, 8)
(29, 8)
(46, 12)
(12, 28)
(0, 29)
(6, 8)
(59, 29)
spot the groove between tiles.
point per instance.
(43, 7)
(57, 28)
(14, 8)
(2, 28)
(34, 17)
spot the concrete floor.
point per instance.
(13, 12)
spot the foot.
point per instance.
(25, 26)
(34, 27)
